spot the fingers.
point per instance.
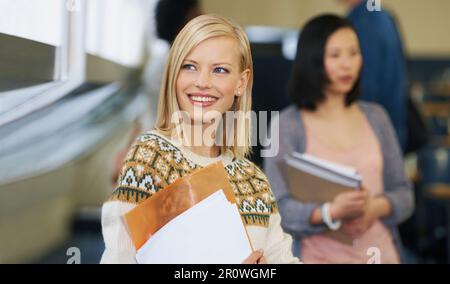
(254, 258)
(357, 201)
(262, 260)
(350, 204)
(358, 206)
(355, 206)
(354, 196)
(358, 195)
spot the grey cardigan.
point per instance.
(397, 189)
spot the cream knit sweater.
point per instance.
(154, 161)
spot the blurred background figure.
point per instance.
(328, 122)
(384, 75)
(385, 81)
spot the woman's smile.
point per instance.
(202, 100)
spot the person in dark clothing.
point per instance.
(384, 75)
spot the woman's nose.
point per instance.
(347, 62)
(203, 80)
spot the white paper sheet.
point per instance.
(209, 232)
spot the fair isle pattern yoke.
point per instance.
(154, 162)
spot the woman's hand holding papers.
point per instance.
(376, 208)
(348, 205)
(345, 206)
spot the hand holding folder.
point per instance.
(311, 179)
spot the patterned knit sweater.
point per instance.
(154, 161)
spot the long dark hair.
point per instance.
(308, 78)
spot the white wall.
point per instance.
(38, 20)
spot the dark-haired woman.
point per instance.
(327, 121)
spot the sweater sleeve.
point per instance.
(397, 188)
(278, 247)
(118, 246)
(135, 184)
(295, 214)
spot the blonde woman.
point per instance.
(208, 73)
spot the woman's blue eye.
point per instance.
(221, 70)
(188, 67)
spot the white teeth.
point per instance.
(203, 99)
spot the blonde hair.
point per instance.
(196, 31)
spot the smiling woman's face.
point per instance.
(210, 77)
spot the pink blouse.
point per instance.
(366, 157)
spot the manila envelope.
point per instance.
(155, 212)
